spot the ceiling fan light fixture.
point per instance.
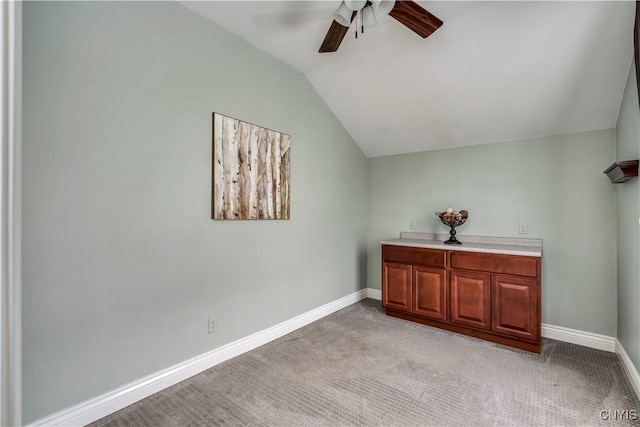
(355, 5)
(342, 15)
(383, 7)
(369, 18)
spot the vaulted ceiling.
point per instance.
(495, 71)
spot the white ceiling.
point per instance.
(495, 71)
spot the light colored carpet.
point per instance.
(360, 367)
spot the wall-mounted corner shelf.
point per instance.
(622, 171)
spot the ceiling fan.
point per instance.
(408, 13)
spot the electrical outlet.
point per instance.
(412, 224)
(212, 325)
(523, 228)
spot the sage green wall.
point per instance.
(122, 266)
(628, 198)
(555, 184)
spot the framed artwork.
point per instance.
(251, 171)
(636, 46)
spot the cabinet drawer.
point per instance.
(411, 255)
(494, 263)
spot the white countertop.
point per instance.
(494, 245)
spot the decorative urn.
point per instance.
(453, 219)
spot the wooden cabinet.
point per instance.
(414, 281)
(397, 290)
(515, 306)
(429, 292)
(415, 289)
(470, 299)
(490, 296)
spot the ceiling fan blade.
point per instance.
(416, 18)
(334, 36)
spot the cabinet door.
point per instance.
(396, 286)
(470, 299)
(429, 292)
(515, 306)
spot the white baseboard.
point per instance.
(574, 336)
(629, 367)
(374, 294)
(98, 407)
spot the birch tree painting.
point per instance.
(250, 171)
